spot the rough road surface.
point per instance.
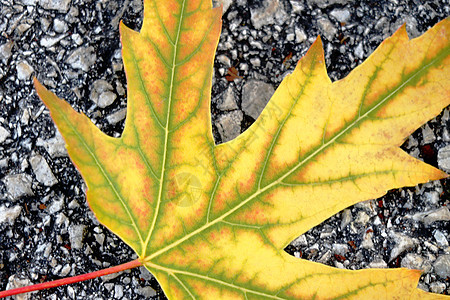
(46, 229)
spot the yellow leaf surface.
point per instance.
(211, 221)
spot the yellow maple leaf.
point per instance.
(211, 221)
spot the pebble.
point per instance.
(402, 243)
(229, 125)
(117, 116)
(256, 62)
(56, 206)
(55, 146)
(101, 93)
(59, 5)
(224, 60)
(442, 266)
(24, 70)
(228, 100)
(65, 270)
(362, 218)
(340, 249)
(14, 281)
(76, 233)
(110, 276)
(346, 217)
(427, 134)
(18, 185)
(9, 214)
(300, 35)
(118, 291)
(77, 39)
(326, 3)
(106, 99)
(416, 262)
(440, 239)
(437, 287)
(359, 51)
(6, 51)
(367, 242)
(297, 6)
(226, 4)
(60, 26)
(50, 41)
(431, 197)
(255, 95)
(4, 134)
(82, 58)
(267, 12)
(147, 292)
(42, 170)
(431, 216)
(327, 28)
(71, 292)
(378, 262)
(443, 158)
(341, 15)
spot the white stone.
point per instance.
(415, 261)
(300, 35)
(118, 291)
(82, 58)
(378, 263)
(14, 281)
(55, 146)
(326, 3)
(256, 62)
(367, 242)
(229, 125)
(228, 101)
(50, 41)
(117, 116)
(341, 15)
(402, 243)
(442, 266)
(428, 135)
(327, 28)
(359, 51)
(24, 70)
(106, 99)
(4, 134)
(59, 5)
(267, 12)
(255, 95)
(60, 26)
(440, 238)
(101, 93)
(9, 214)
(76, 233)
(443, 158)
(42, 170)
(429, 217)
(224, 60)
(6, 51)
(65, 271)
(18, 185)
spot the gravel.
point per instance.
(46, 228)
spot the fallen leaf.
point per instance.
(232, 74)
(211, 221)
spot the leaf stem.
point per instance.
(51, 284)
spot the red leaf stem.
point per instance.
(69, 280)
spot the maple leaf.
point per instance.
(192, 209)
